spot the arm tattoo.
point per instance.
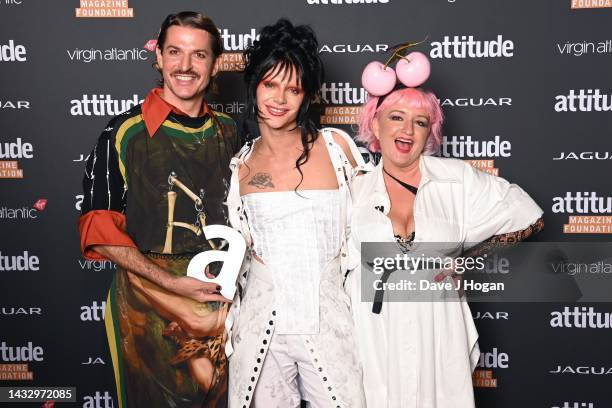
(505, 240)
(261, 181)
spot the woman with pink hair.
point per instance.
(421, 353)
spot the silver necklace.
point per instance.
(184, 128)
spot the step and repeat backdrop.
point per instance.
(527, 94)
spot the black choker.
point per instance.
(407, 186)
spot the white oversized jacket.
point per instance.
(422, 354)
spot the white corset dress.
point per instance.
(296, 235)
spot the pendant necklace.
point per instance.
(184, 129)
(405, 243)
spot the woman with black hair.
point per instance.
(292, 339)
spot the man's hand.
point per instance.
(132, 260)
(196, 289)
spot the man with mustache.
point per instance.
(156, 176)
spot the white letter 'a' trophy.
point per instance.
(232, 259)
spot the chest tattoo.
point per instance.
(261, 181)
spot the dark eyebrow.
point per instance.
(179, 48)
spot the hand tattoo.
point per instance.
(261, 181)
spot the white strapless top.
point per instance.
(296, 235)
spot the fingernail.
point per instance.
(438, 278)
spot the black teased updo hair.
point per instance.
(283, 46)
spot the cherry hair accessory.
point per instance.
(411, 70)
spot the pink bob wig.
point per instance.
(413, 98)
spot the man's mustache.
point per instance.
(190, 72)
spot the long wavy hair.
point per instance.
(283, 47)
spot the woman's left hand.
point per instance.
(452, 272)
